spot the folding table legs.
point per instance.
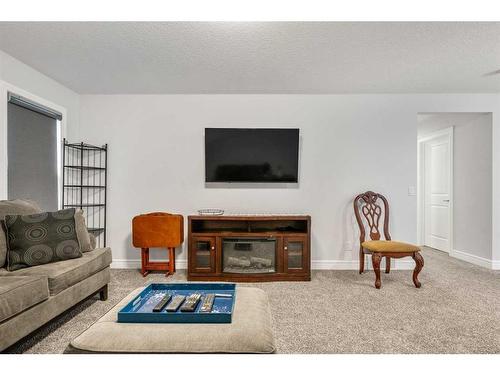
(147, 265)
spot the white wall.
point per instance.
(350, 143)
(28, 79)
(17, 75)
(472, 175)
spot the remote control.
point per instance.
(208, 302)
(191, 302)
(174, 305)
(161, 305)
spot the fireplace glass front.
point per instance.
(248, 255)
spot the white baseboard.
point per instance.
(354, 265)
(315, 264)
(334, 264)
(474, 259)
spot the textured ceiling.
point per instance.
(218, 57)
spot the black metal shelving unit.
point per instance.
(85, 184)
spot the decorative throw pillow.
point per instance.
(93, 241)
(13, 207)
(82, 232)
(41, 238)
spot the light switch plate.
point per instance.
(412, 191)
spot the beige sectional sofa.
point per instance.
(30, 297)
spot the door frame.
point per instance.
(421, 183)
(6, 88)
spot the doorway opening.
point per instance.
(454, 191)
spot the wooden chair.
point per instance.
(372, 213)
(157, 229)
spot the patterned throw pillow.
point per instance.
(41, 238)
(13, 207)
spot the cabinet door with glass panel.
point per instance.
(295, 252)
(202, 255)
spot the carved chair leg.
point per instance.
(361, 261)
(419, 264)
(387, 264)
(376, 257)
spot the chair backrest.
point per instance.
(367, 204)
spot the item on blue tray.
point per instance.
(176, 302)
(208, 302)
(140, 308)
(191, 302)
(161, 305)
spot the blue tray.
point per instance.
(140, 308)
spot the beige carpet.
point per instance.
(457, 310)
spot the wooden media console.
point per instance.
(249, 248)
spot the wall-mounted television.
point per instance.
(251, 155)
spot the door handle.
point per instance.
(446, 200)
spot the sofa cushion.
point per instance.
(41, 238)
(15, 328)
(66, 273)
(18, 293)
(13, 207)
(93, 242)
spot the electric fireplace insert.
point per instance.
(248, 255)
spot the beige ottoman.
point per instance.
(249, 332)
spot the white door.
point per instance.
(437, 190)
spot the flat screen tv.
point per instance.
(251, 155)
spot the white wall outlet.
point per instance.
(412, 191)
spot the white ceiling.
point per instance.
(301, 57)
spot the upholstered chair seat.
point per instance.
(389, 246)
(369, 211)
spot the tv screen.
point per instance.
(251, 155)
